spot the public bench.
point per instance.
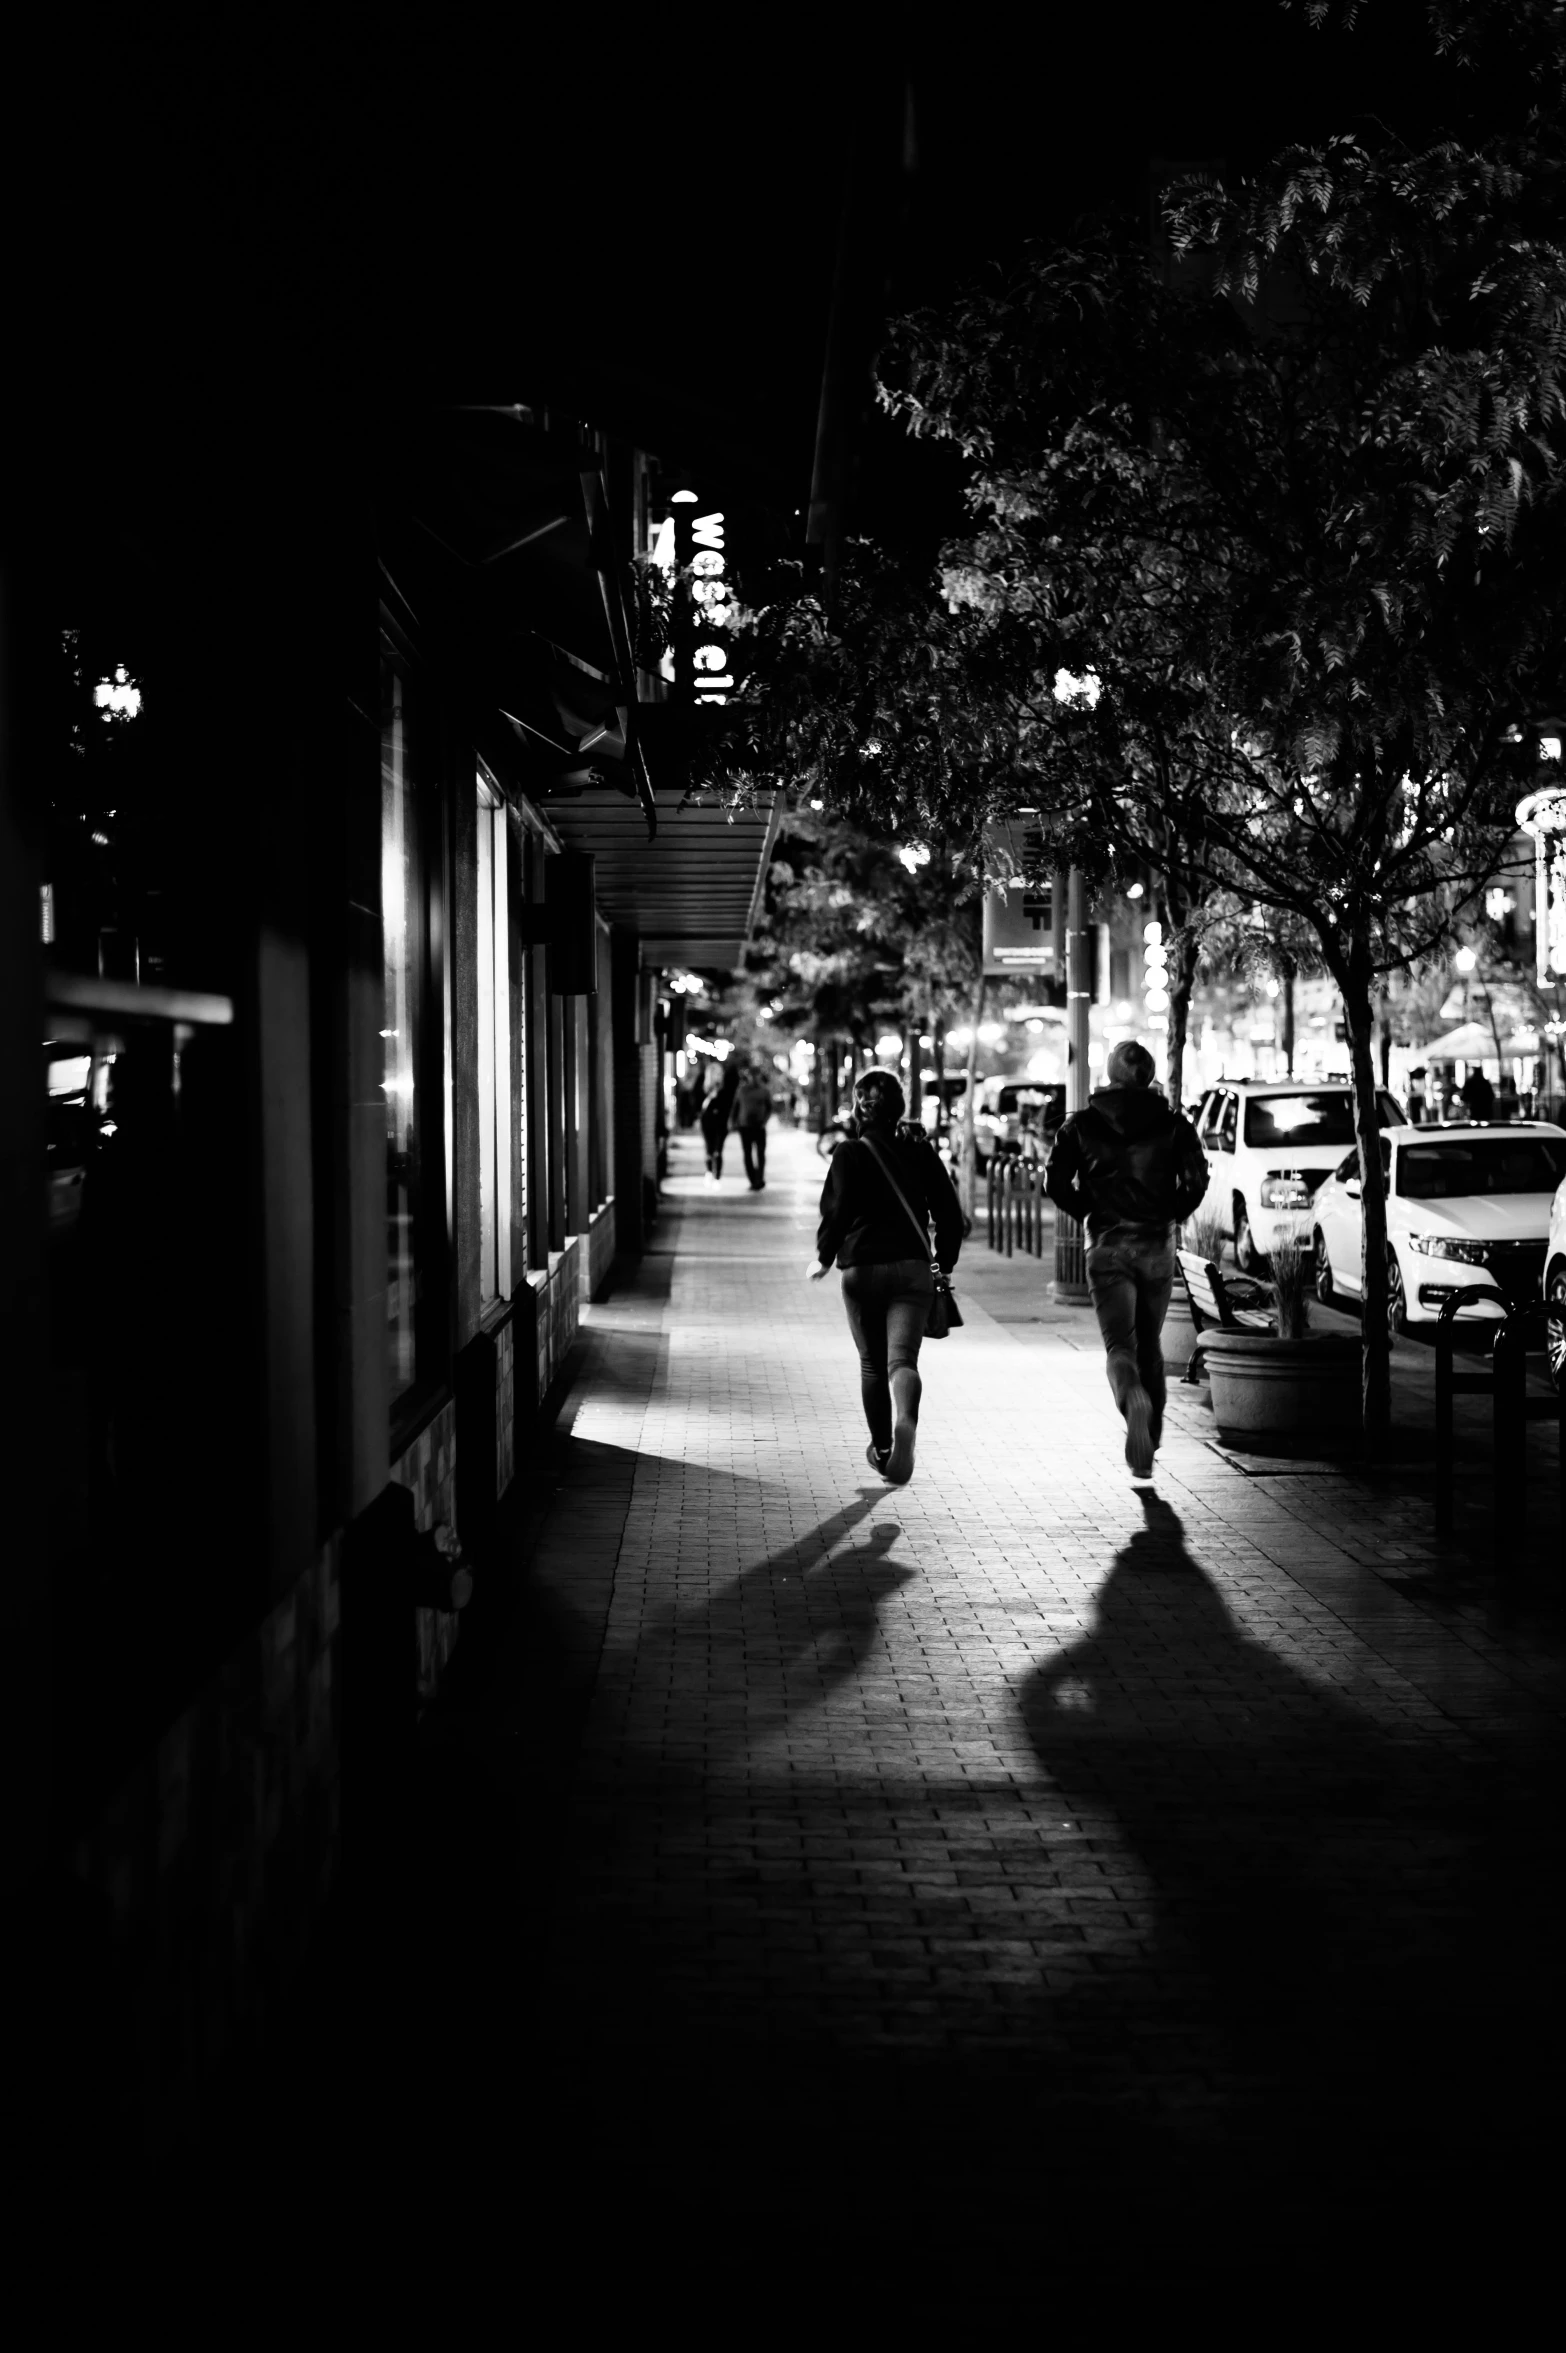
(1221, 1303)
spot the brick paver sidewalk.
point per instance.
(1016, 1846)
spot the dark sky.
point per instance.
(465, 205)
(724, 187)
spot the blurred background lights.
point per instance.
(118, 697)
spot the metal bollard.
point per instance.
(1509, 1456)
(1511, 1411)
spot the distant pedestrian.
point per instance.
(884, 1190)
(1132, 1169)
(752, 1110)
(1478, 1095)
(1507, 1103)
(715, 1115)
(1416, 1097)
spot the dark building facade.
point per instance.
(345, 836)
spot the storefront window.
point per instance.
(402, 916)
(494, 1047)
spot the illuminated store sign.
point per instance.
(702, 557)
(1543, 814)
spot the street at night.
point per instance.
(787, 1271)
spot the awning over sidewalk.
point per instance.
(1475, 1042)
(693, 891)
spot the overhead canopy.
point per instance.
(1475, 1042)
(497, 532)
(693, 891)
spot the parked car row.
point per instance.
(1011, 1116)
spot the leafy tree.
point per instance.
(1306, 544)
(855, 937)
(1293, 526)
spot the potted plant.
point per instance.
(1289, 1384)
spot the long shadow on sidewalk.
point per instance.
(1346, 1999)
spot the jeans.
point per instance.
(1130, 1272)
(887, 1305)
(713, 1132)
(753, 1143)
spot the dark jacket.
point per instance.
(718, 1106)
(1127, 1160)
(862, 1222)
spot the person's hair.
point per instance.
(878, 1099)
(1130, 1065)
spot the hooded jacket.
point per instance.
(1127, 1160)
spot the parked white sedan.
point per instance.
(1466, 1206)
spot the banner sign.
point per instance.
(1018, 930)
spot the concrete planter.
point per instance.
(1264, 1387)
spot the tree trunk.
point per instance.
(1182, 980)
(1288, 1022)
(1354, 981)
(915, 1086)
(970, 1174)
(938, 1027)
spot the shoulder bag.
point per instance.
(943, 1314)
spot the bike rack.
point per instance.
(1014, 1205)
(1505, 1382)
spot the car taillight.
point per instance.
(1286, 1190)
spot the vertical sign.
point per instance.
(1019, 927)
(702, 647)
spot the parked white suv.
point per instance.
(1466, 1207)
(1270, 1144)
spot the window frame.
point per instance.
(428, 961)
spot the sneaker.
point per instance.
(876, 1456)
(1139, 1434)
(900, 1459)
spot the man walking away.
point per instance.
(1131, 1168)
(752, 1110)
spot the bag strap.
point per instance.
(890, 1174)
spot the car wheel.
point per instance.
(1247, 1257)
(1326, 1289)
(1555, 1324)
(1397, 1297)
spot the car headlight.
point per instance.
(1286, 1190)
(1443, 1246)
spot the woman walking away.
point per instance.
(715, 1118)
(887, 1279)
